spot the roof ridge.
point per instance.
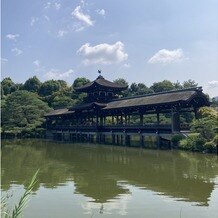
(199, 88)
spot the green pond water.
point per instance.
(88, 180)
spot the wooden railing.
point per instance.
(115, 128)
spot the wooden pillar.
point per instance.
(125, 119)
(113, 139)
(97, 119)
(158, 141)
(117, 139)
(101, 120)
(158, 118)
(141, 119)
(112, 120)
(127, 140)
(121, 139)
(121, 119)
(141, 140)
(175, 121)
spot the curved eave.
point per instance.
(87, 106)
(59, 112)
(95, 84)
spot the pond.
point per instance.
(88, 180)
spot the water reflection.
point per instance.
(104, 173)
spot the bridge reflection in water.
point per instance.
(97, 170)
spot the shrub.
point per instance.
(210, 146)
(194, 142)
(176, 139)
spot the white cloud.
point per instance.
(47, 5)
(84, 18)
(55, 5)
(56, 74)
(127, 65)
(101, 12)
(61, 33)
(167, 56)
(12, 37)
(36, 63)
(16, 51)
(212, 84)
(33, 20)
(4, 60)
(103, 53)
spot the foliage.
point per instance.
(189, 84)
(165, 85)
(18, 209)
(193, 142)
(23, 111)
(138, 89)
(203, 130)
(207, 123)
(121, 81)
(49, 87)
(32, 85)
(80, 81)
(210, 146)
(176, 139)
(8, 86)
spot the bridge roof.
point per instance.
(170, 97)
(185, 98)
(59, 112)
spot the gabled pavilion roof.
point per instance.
(101, 82)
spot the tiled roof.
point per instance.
(100, 81)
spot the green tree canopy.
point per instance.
(32, 84)
(80, 81)
(8, 86)
(49, 87)
(189, 84)
(165, 85)
(23, 111)
(121, 81)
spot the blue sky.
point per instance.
(140, 41)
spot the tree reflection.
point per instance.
(97, 170)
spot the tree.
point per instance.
(51, 86)
(189, 84)
(121, 81)
(8, 86)
(177, 85)
(80, 81)
(23, 111)
(165, 85)
(32, 84)
(62, 99)
(207, 123)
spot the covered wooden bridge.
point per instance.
(104, 115)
